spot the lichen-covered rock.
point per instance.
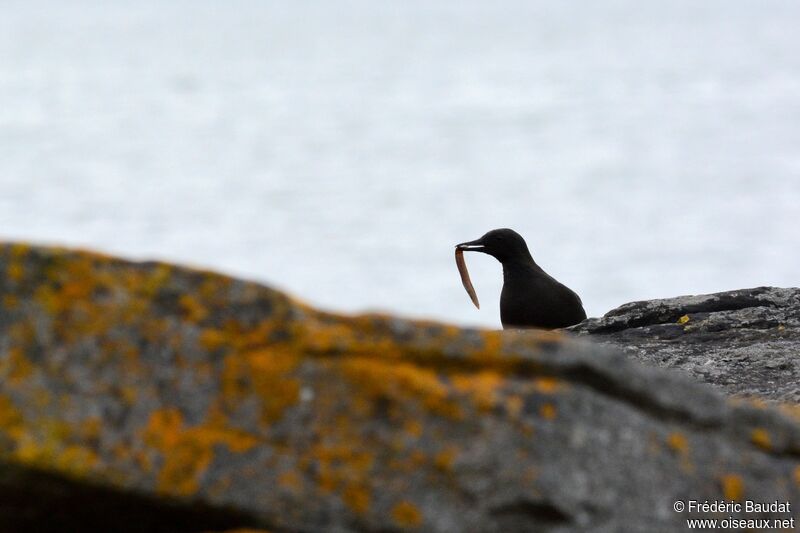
(746, 342)
(191, 385)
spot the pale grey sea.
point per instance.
(338, 150)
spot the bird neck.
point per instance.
(519, 267)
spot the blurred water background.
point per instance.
(338, 150)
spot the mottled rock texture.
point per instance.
(193, 387)
(746, 342)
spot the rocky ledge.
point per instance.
(134, 392)
(745, 342)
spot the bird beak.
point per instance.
(472, 246)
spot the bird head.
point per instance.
(505, 245)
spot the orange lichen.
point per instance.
(156, 279)
(212, 339)
(492, 342)
(192, 309)
(684, 319)
(18, 250)
(52, 445)
(10, 418)
(357, 498)
(791, 410)
(122, 452)
(10, 301)
(548, 411)
(75, 459)
(413, 428)
(128, 394)
(406, 514)
(76, 289)
(758, 403)
(341, 468)
(268, 374)
(188, 452)
(482, 387)
(417, 459)
(15, 366)
(15, 271)
(21, 333)
(49, 299)
(547, 385)
(400, 383)
(514, 405)
(164, 429)
(290, 480)
(445, 458)
(183, 466)
(326, 480)
(42, 398)
(677, 442)
(91, 427)
(732, 486)
(210, 287)
(234, 335)
(329, 337)
(760, 438)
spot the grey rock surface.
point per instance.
(744, 342)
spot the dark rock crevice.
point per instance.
(531, 515)
(36, 500)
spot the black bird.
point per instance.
(531, 298)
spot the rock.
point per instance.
(193, 388)
(744, 342)
(44, 502)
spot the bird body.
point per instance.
(530, 298)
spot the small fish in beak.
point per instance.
(462, 269)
